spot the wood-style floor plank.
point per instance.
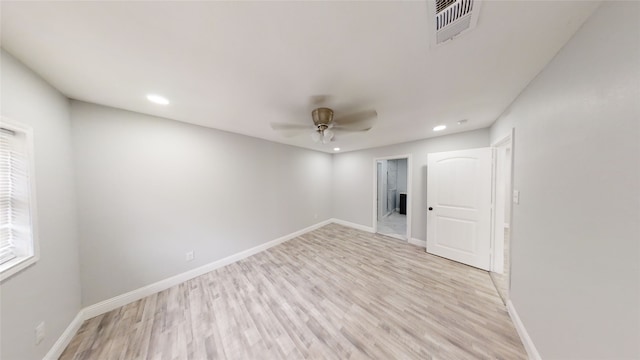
(333, 293)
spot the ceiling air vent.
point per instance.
(453, 17)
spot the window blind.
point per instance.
(15, 224)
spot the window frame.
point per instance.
(23, 261)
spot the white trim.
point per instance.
(375, 196)
(110, 304)
(131, 296)
(368, 229)
(126, 298)
(17, 265)
(505, 139)
(64, 339)
(522, 331)
(418, 242)
(134, 295)
(409, 193)
(499, 196)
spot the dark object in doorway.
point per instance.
(403, 204)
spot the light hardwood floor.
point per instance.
(334, 293)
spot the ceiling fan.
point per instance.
(325, 126)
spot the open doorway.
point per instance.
(391, 198)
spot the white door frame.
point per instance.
(501, 193)
(409, 190)
(380, 189)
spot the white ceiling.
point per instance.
(238, 66)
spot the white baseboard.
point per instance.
(127, 298)
(124, 299)
(353, 225)
(418, 242)
(121, 300)
(64, 339)
(524, 335)
(134, 295)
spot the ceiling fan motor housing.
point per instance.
(322, 116)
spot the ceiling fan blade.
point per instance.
(285, 126)
(351, 129)
(293, 133)
(291, 130)
(357, 117)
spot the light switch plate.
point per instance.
(516, 196)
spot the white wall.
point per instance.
(576, 236)
(50, 289)
(353, 177)
(151, 189)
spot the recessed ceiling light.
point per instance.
(336, 149)
(439, 127)
(157, 99)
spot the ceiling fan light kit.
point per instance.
(322, 135)
(327, 135)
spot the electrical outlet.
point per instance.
(40, 333)
(190, 256)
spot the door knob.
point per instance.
(430, 208)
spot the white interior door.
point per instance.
(459, 203)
